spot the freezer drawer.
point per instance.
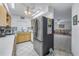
(38, 46)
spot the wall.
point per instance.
(75, 31)
(20, 23)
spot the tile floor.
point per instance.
(26, 49)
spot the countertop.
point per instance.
(6, 45)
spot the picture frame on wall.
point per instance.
(75, 18)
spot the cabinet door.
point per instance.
(29, 36)
(2, 16)
(8, 20)
(23, 37)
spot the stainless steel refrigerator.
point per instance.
(43, 30)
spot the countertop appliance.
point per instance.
(2, 31)
(10, 30)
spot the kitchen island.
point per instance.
(7, 44)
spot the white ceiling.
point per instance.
(21, 7)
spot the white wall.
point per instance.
(75, 31)
(20, 23)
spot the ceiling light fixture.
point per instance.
(28, 11)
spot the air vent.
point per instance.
(22, 17)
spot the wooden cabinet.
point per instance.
(2, 16)
(5, 18)
(23, 37)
